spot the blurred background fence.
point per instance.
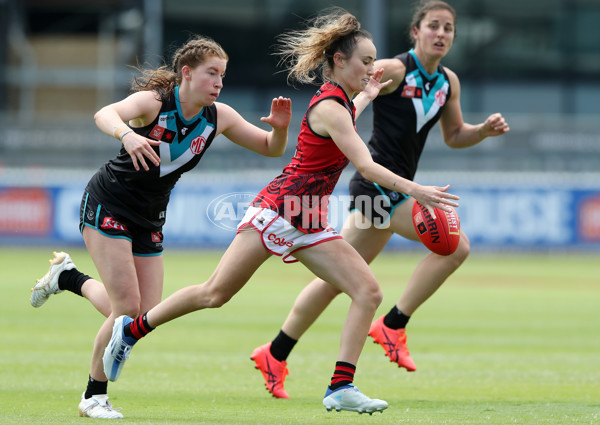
(536, 61)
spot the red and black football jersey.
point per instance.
(300, 193)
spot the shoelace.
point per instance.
(106, 404)
(110, 407)
(123, 352)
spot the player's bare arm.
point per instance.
(268, 143)
(457, 133)
(138, 109)
(334, 119)
(393, 69)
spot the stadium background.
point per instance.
(538, 62)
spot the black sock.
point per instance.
(138, 328)
(95, 387)
(282, 345)
(343, 375)
(395, 319)
(72, 280)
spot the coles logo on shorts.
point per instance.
(111, 223)
(157, 237)
(197, 144)
(279, 241)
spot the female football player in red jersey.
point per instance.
(421, 93)
(165, 127)
(289, 217)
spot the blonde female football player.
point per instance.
(289, 216)
(422, 92)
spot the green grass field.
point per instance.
(509, 339)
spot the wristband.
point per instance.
(123, 133)
(119, 132)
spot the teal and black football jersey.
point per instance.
(403, 118)
(141, 197)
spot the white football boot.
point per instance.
(350, 398)
(48, 284)
(99, 407)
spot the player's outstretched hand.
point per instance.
(375, 85)
(281, 113)
(434, 196)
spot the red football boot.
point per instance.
(393, 342)
(272, 369)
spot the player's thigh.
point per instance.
(150, 274)
(401, 221)
(243, 257)
(339, 264)
(365, 238)
(115, 264)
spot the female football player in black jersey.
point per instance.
(165, 126)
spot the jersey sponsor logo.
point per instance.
(440, 97)
(162, 134)
(279, 241)
(157, 132)
(111, 223)
(156, 237)
(411, 91)
(197, 144)
(176, 155)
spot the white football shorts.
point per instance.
(281, 238)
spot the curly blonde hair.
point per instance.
(308, 54)
(164, 79)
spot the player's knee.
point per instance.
(218, 300)
(371, 294)
(214, 298)
(135, 309)
(377, 297)
(463, 250)
(128, 306)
